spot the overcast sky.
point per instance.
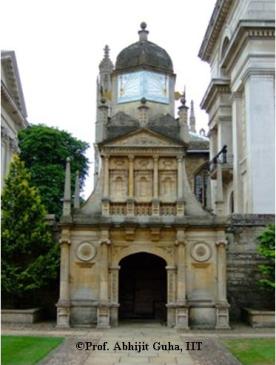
(59, 45)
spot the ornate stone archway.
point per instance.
(114, 278)
(142, 287)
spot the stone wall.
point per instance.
(243, 261)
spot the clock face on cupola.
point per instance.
(133, 86)
(144, 71)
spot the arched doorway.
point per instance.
(142, 287)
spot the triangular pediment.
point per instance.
(143, 138)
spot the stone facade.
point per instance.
(13, 110)
(239, 46)
(242, 263)
(142, 246)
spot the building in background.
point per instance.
(240, 100)
(13, 109)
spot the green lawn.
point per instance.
(255, 351)
(26, 350)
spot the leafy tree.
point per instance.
(29, 256)
(44, 151)
(266, 248)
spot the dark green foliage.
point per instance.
(44, 151)
(29, 256)
(266, 248)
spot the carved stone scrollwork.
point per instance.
(221, 242)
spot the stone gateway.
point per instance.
(143, 245)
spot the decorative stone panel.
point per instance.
(143, 185)
(143, 163)
(201, 252)
(86, 251)
(167, 185)
(118, 185)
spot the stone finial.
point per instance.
(77, 191)
(106, 51)
(143, 33)
(67, 189)
(183, 98)
(183, 119)
(106, 64)
(192, 118)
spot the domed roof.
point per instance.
(144, 53)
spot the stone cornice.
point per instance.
(10, 69)
(245, 31)
(216, 22)
(215, 87)
(12, 107)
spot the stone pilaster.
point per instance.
(237, 151)
(222, 306)
(105, 200)
(260, 139)
(63, 305)
(180, 200)
(114, 294)
(155, 201)
(103, 310)
(130, 177)
(179, 177)
(106, 176)
(171, 291)
(182, 310)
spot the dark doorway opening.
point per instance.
(142, 287)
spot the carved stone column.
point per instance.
(155, 200)
(105, 200)
(155, 177)
(130, 177)
(179, 177)
(106, 176)
(171, 291)
(180, 198)
(114, 294)
(222, 307)
(237, 151)
(182, 313)
(103, 312)
(63, 305)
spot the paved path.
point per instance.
(145, 342)
(144, 334)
